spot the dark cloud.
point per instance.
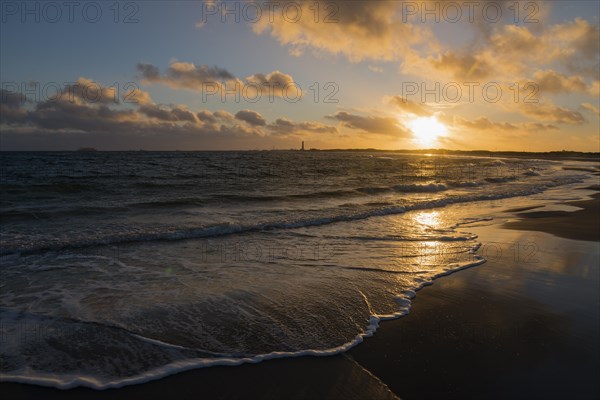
(66, 115)
(149, 72)
(371, 124)
(183, 114)
(11, 107)
(251, 117)
(11, 99)
(356, 29)
(285, 127)
(154, 111)
(62, 117)
(167, 114)
(554, 82)
(206, 116)
(552, 113)
(185, 75)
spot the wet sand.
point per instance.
(523, 325)
(580, 225)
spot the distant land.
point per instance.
(554, 155)
(550, 155)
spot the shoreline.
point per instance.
(477, 326)
(489, 329)
(560, 223)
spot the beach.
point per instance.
(522, 325)
(312, 200)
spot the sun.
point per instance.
(427, 130)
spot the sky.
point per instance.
(250, 75)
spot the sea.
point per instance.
(122, 267)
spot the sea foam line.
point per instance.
(222, 230)
(71, 381)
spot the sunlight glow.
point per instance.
(427, 130)
(430, 219)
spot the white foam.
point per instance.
(531, 172)
(69, 381)
(226, 229)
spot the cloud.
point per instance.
(592, 108)
(580, 35)
(206, 116)
(537, 126)
(11, 99)
(183, 75)
(554, 82)
(508, 50)
(566, 42)
(183, 114)
(551, 113)
(285, 127)
(484, 124)
(167, 114)
(11, 107)
(371, 124)
(595, 89)
(251, 117)
(409, 106)
(456, 65)
(85, 90)
(463, 66)
(275, 83)
(137, 96)
(224, 115)
(214, 80)
(472, 133)
(64, 116)
(358, 30)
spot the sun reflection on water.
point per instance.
(431, 219)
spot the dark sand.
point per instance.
(581, 224)
(525, 325)
(522, 326)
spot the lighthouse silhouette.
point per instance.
(302, 149)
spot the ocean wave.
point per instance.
(465, 184)
(229, 228)
(417, 188)
(531, 172)
(501, 179)
(71, 380)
